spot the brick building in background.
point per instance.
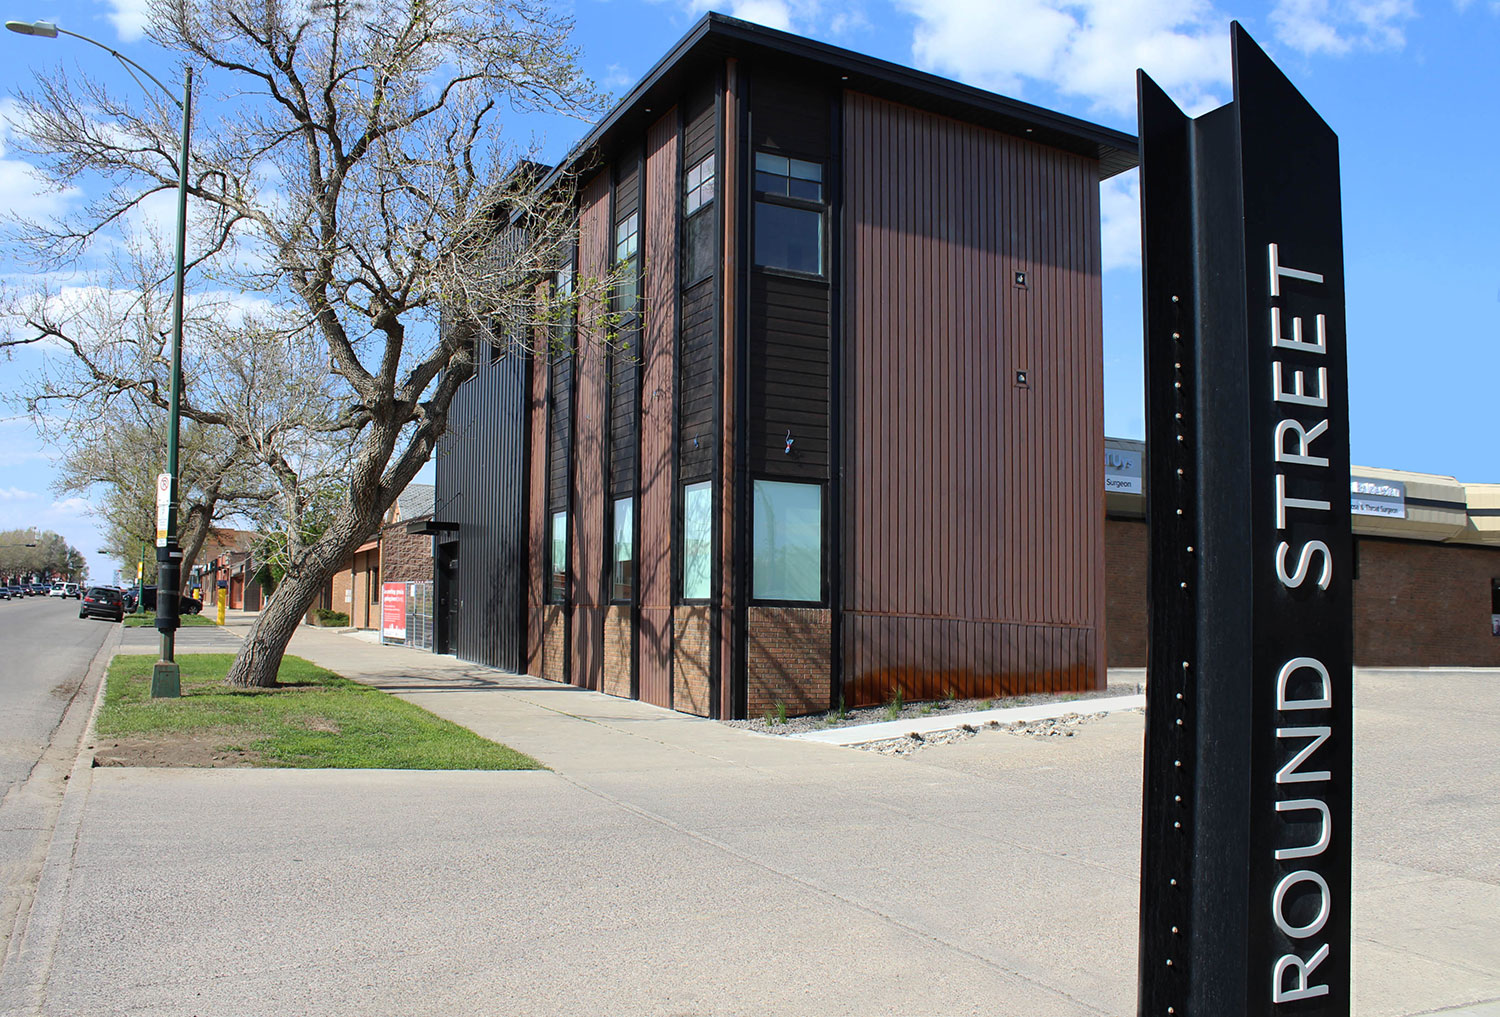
(227, 562)
(391, 555)
(1427, 566)
(853, 445)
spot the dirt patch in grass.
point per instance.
(175, 748)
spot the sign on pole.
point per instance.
(163, 507)
(1245, 869)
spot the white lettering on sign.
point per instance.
(1303, 456)
(1304, 559)
(1304, 969)
(1325, 831)
(1290, 668)
(1302, 682)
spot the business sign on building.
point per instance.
(1122, 470)
(1245, 873)
(1369, 497)
(393, 612)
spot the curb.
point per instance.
(34, 932)
(864, 733)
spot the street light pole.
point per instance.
(165, 676)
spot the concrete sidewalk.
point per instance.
(669, 865)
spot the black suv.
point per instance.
(185, 605)
(102, 602)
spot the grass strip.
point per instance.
(148, 620)
(315, 719)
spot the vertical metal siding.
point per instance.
(659, 356)
(538, 558)
(481, 485)
(588, 502)
(974, 537)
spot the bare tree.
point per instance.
(354, 179)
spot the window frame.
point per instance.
(551, 593)
(820, 205)
(630, 263)
(682, 542)
(689, 189)
(703, 216)
(614, 552)
(823, 564)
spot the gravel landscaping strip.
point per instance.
(915, 711)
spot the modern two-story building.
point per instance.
(851, 444)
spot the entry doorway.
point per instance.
(446, 609)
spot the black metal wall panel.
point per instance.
(482, 485)
(788, 377)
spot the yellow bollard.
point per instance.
(223, 602)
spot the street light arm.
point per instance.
(43, 29)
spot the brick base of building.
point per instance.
(554, 660)
(692, 633)
(788, 660)
(617, 651)
(1416, 603)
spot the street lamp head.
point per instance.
(45, 29)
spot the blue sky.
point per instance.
(1411, 90)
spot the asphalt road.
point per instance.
(45, 649)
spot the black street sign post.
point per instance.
(1245, 869)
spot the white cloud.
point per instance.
(25, 194)
(771, 13)
(1120, 220)
(1084, 48)
(16, 494)
(1339, 26)
(71, 508)
(15, 457)
(130, 18)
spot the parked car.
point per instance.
(185, 605)
(4, 593)
(39, 589)
(102, 602)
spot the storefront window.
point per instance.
(787, 531)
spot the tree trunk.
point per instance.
(259, 659)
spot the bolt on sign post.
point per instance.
(1245, 866)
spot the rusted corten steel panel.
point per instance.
(974, 528)
(588, 553)
(537, 558)
(658, 409)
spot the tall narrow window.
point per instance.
(1495, 607)
(700, 250)
(622, 579)
(787, 534)
(697, 541)
(788, 214)
(562, 295)
(557, 587)
(627, 242)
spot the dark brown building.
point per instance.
(852, 445)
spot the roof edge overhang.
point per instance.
(717, 36)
